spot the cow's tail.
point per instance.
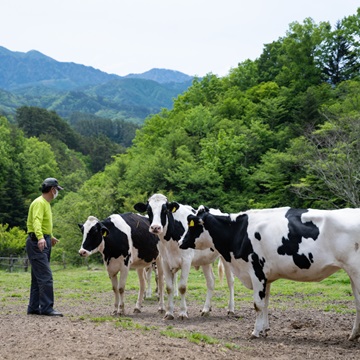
(221, 270)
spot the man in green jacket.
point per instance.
(39, 241)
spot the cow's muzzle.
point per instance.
(83, 253)
(156, 229)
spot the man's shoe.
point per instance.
(53, 313)
(34, 312)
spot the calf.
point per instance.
(168, 222)
(124, 242)
(296, 244)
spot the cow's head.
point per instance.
(196, 236)
(159, 211)
(93, 236)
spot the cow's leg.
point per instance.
(355, 285)
(175, 282)
(230, 282)
(266, 309)
(210, 284)
(115, 287)
(142, 284)
(155, 268)
(169, 280)
(123, 276)
(185, 270)
(147, 275)
(261, 302)
(160, 284)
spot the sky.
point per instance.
(120, 37)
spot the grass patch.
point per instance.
(194, 337)
(81, 284)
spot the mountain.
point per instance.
(20, 70)
(162, 76)
(34, 79)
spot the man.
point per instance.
(39, 241)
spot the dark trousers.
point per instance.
(42, 290)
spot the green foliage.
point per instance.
(25, 164)
(36, 122)
(12, 241)
(118, 131)
(330, 153)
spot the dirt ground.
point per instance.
(294, 334)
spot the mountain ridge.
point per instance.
(35, 79)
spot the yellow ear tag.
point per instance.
(105, 234)
(191, 223)
(173, 209)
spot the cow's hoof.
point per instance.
(137, 311)
(253, 336)
(353, 337)
(183, 316)
(169, 317)
(205, 313)
(161, 311)
(231, 313)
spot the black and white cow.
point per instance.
(125, 243)
(296, 244)
(169, 222)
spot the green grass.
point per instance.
(194, 337)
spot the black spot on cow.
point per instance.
(116, 242)
(242, 246)
(257, 236)
(144, 241)
(258, 266)
(237, 239)
(175, 228)
(298, 230)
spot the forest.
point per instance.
(280, 130)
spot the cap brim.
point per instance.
(60, 187)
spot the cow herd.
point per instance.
(256, 246)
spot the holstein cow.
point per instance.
(124, 242)
(169, 222)
(297, 244)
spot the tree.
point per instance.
(339, 58)
(36, 122)
(333, 163)
(290, 61)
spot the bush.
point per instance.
(12, 242)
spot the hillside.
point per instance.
(34, 79)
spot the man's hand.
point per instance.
(42, 244)
(54, 241)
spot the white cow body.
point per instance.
(169, 222)
(296, 244)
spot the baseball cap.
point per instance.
(52, 182)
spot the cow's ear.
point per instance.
(104, 231)
(140, 207)
(202, 209)
(192, 220)
(173, 206)
(81, 227)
